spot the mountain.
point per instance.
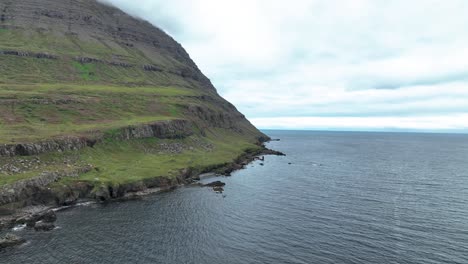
(95, 103)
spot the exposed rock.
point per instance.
(215, 118)
(29, 220)
(32, 220)
(46, 56)
(273, 152)
(218, 189)
(165, 129)
(121, 64)
(49, 217)
(29, 54)
(11, 240)
(173, 148)
(87, 60)
(28, 189)
(43, 226)
(29, 149)
(152, 68)
(216, 184)
(102, 194)
(173, 129)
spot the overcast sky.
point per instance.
(328, 64)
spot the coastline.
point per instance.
(130, 191)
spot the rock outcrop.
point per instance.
(166, 129)
(29, 190)
(29, 54)
(216, 184)
(163, 129)
(11, 240)
(43, 226)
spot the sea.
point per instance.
(337, 197)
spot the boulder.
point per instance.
(31, 220)
(102, 194)
(11, 240)
(49, 217)
(272, 152)
(218, 189)
(216, 184)
(43, 226)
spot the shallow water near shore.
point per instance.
(346, 197)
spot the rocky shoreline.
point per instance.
(42, 217)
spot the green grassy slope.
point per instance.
(41, 111)
(66, 68)
(121, 162)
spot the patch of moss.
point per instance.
(87, 71)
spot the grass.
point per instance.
(15, 69)
(38, 112)
(42, 99)
(121, 162)
(29, 70)
(87, 71)
(136, 160)
(8, 179)
(36, 41)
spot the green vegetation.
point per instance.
(135, 160)
(11, 178)
(42, 99)
(87, 71)
(33, 112)
(26, 70)
(70, 45)
(121, 162)
(36, 112)
(29, 70)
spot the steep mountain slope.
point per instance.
(94, 102)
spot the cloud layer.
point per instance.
(328, 64)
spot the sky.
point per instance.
(328, 64)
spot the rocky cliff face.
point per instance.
(163, 129)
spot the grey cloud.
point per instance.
(398, 83)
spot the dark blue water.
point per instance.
(346, 198)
